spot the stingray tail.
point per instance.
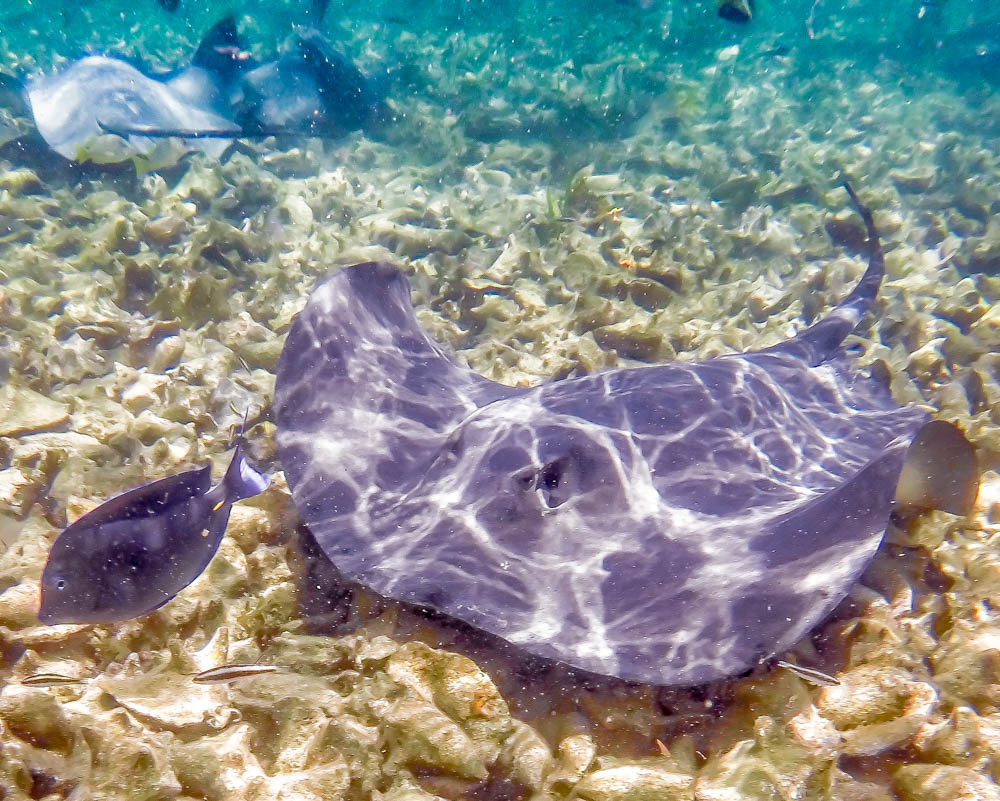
(821, 341)
(153, 132)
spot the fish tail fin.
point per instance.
(241, 480)
(821, 341)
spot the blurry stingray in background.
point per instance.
(91, 109)
(310, 89)
(106, 110)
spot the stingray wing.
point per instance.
(776, 481)
(364, 398)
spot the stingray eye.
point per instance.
(553, 482)
(59, 584)
(550, 476)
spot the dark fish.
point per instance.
(239, 670)
(740, 11)
(136, 551)
(672, 524)
(211, 80)
(780, 50)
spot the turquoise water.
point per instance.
(569, 190)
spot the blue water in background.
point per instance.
(959, 39)
(635, 52)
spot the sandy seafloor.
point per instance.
(556, 217)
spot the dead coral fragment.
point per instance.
(632, 782)
(943, 783)
(24, 411)
(446, 711)
(876, 708)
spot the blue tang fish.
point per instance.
(136, 551)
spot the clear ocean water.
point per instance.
(567, 190)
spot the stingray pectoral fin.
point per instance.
(940, 471)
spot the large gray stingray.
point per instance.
(671, 524)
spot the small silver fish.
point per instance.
(238, 670)
(51, 680)
(817, 677)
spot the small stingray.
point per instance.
(136, 551)
(671, 524)
(82, 110)
(310, 89)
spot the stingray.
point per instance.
(670, 524)
(310, 89)
(106, 109)
(85, 109)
